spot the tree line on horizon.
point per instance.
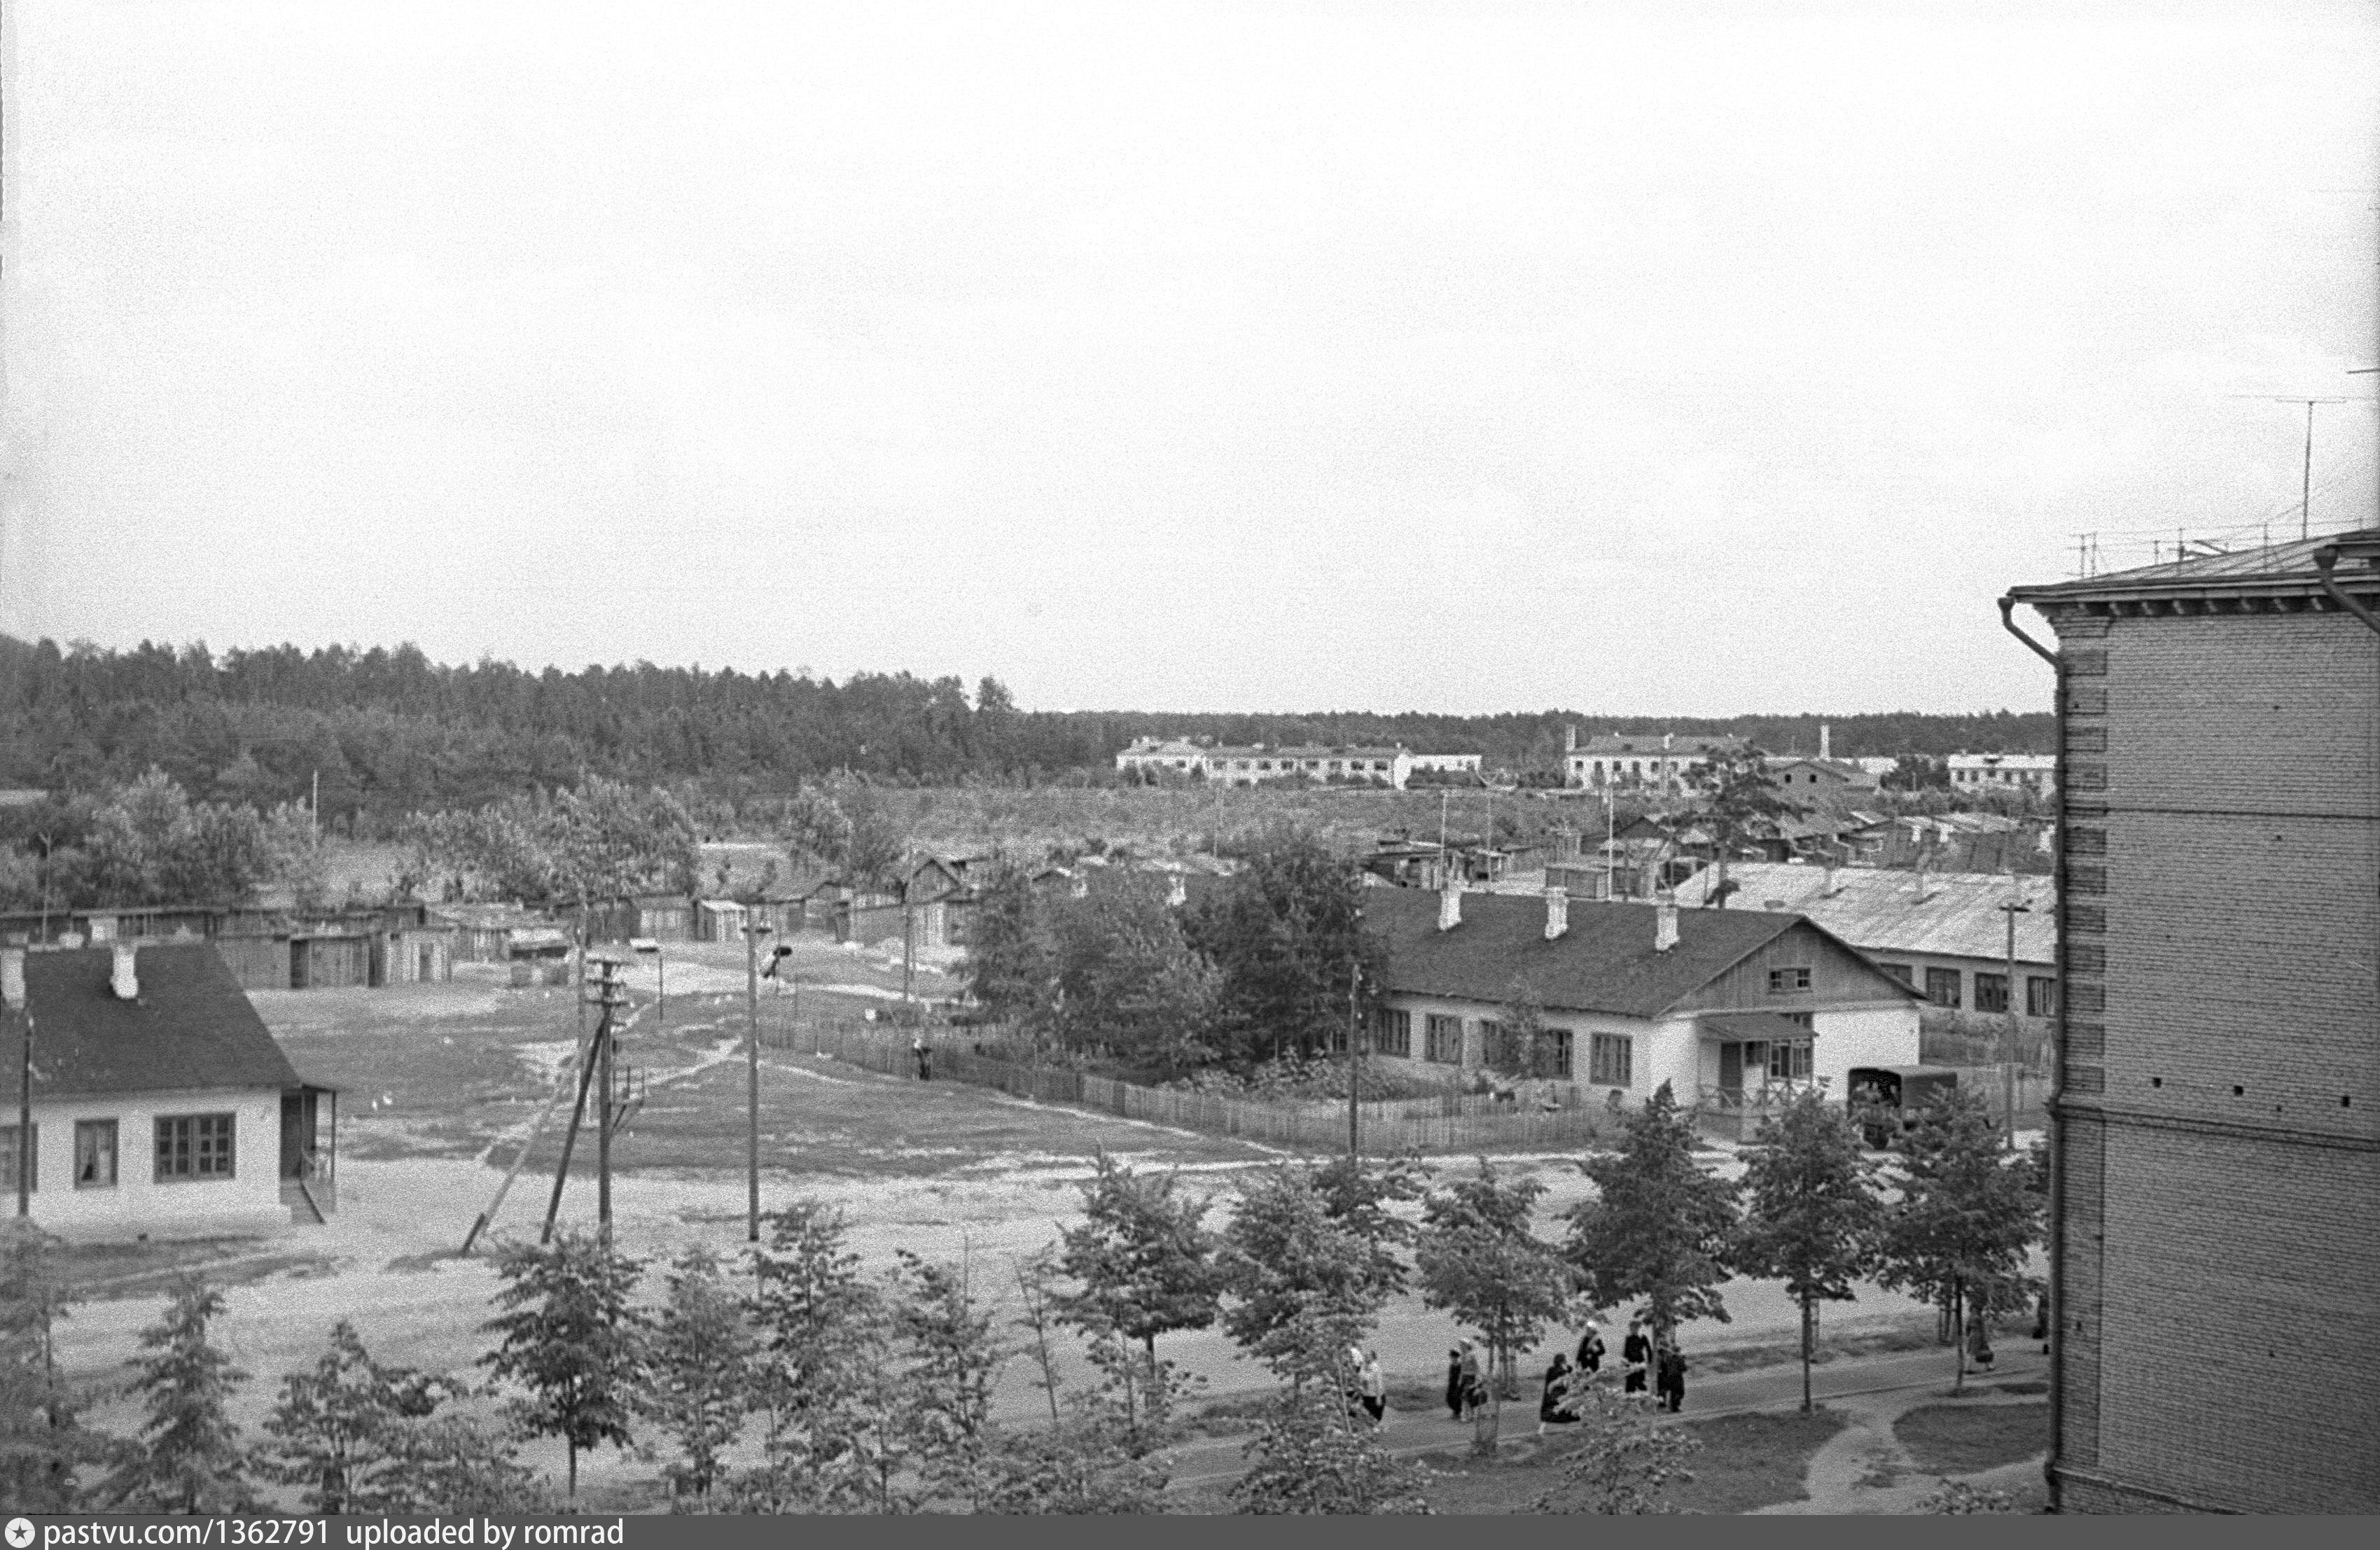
(388, 732)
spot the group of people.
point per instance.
(1645, 1359)
(1368, 1391)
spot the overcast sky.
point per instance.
(1638, 357)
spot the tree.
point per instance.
(571, 1339)
(335, 1432)
(1480, 1259)
(1623, 1462)
(1304, 1286)
(1357, 1198)
(1739, 802)
(42, 1440)
(1521, 1043)
(1011, 962)
(190, 1460)
(1144, 1266)
(699, 1359)
(1306, 1458)
(1960, 1233)
(951, 1358)
(1121, 974)
(832, 1443)
(1814, 1214)
(1660, 1230)
(1286, 933)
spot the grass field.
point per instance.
(1963, 1439)
(1747, 1462)
(464, 1070)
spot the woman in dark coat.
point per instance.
(1549, 1408)
(1636, 1352)
(1590, 1350)
(1671, 1365)
(1454, 1384)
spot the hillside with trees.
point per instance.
(389, 733)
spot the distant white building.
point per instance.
(2008, 771)
(1652, 763)
(1235, 765)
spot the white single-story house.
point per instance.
(161, 1105)
(1945, 933)
(1731, 1008)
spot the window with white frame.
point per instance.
(195, 1147)
(1611, 1059)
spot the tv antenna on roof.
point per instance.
(2305, 494)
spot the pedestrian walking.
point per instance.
(1376, 1389)
(1454, 1383)
(1672, 1391)
(1474, 1382)
(1636, 1352)
(1553, 1407)
(924, 1053)
(2040, 1321)
(1590, 1350)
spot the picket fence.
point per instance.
(1452, 1123)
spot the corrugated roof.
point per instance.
(191, 1027)
(2288, 565)
(1880, 910)
(1605, 961)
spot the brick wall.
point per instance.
(2219, 1133)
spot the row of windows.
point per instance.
(1943, 989)
(188, 1146)
(1611, 1057)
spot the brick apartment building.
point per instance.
(2216, 1132)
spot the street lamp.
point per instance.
(753, 931)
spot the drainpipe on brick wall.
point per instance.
(2324, 559)
(2053, 1099)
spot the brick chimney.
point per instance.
(1176, 891)
(1826, 745)
(1556, 913)
(1665, 921)
(126, 982)
(1570, 738)
(1449, 903)
(12, 977)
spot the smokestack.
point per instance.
(126, 981)
(1826, 747)
(12, 977)
(1665, 921)
(1449, 903)
(1556, 913)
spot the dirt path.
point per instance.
(1864, 1470)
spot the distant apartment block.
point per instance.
(2214, 1236)
(2035, 772)
(1235, 766)
(1662, 763)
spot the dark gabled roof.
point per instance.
(2285, 569)
(1605, 962)
(191, 1027)
(1752, 1024)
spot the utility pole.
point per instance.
(1355, 1065)
(607, 1002)
(2013, 908)
(1609, 840)
(314, 808)
(25, 1117)
(752, 930)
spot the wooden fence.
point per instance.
(1452, 1123)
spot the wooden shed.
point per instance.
(329, 961)
(258, 961)
(719, 920)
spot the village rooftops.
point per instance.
(1605, 961)
(1942, 915)
(190, 1026)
